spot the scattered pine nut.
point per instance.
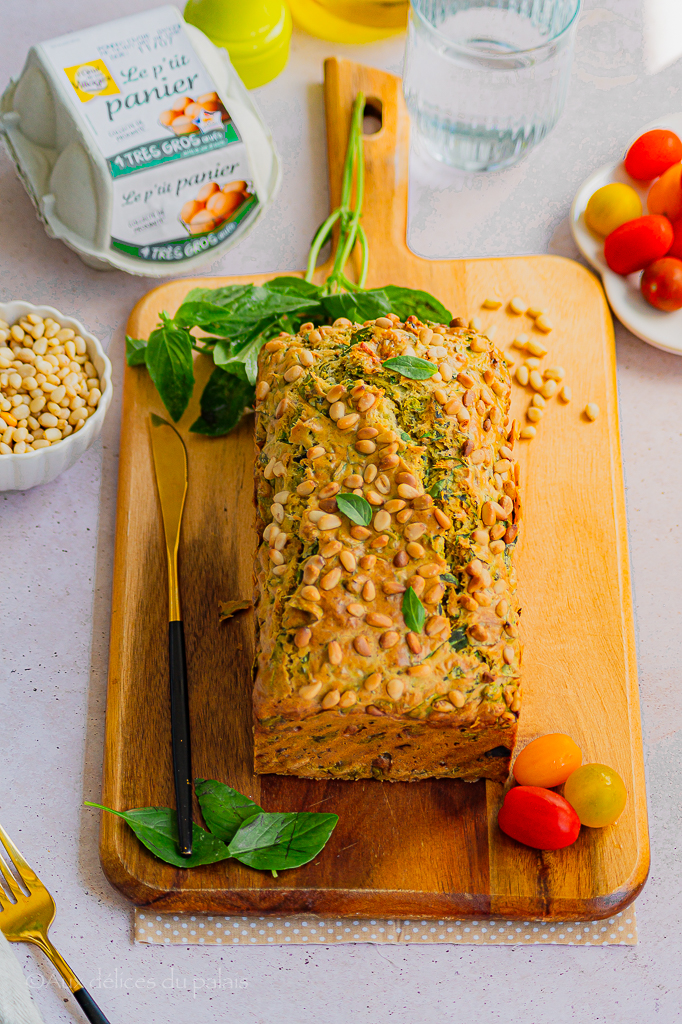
(528, 433)
(543, 324)
(534, 414)
(538, 401)
(491, 303)
(520, 341)
(533, 363)
(536, 348)
(554, 373)
(491, 332)
(592, 410)
(549, 389)
(565, 394)
(517, 305)
(522, 373)
(534, 313)
(536, 381)
(475, 323)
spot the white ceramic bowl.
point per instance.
(664, 330)
(20, 472)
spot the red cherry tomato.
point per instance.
(539, 818)
(652, 154)
(662, 284)
(636, 244)
(676, 248)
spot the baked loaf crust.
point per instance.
(344, 689)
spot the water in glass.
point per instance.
(485, 80)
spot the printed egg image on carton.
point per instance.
(139, 145)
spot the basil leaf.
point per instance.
(413, 302)
(458, 639)
(411, 366)
(169, 361)
(357, 306)
(413, 611)
(448, 577)
(295, 286)
(241, 358)
(135, 351)
(224, 809)
(357, 508)
(223, 402)
(243, 313)
(157, 829)
(274, 842)
(217, 296)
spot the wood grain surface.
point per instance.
(432, 848)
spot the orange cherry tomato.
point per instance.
(636, 244)
(661, 284)
(665, 195)
(652, 154)
(539, 818)
(547, 761)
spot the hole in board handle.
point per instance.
(372, 118)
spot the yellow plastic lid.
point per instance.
(318, 20)
(255, 33)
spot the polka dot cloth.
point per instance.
(205, 930)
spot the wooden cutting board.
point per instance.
(426, 849)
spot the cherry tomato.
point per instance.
(676, 248)
(547, 761)
(539, 818)
(665, 195)
(597, 793)
(652, 154)
(661, 284)
(634, 245)
(610, 206)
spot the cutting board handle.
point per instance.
(384, 211)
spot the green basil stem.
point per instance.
(350, 229)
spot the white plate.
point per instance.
(664, 330)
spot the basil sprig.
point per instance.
(413, 611)
(240, 319)
(357, 508)
(238, 828)
(411, 366)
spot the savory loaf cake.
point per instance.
(345, 686)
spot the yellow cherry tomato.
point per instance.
(597, 794)
(611, 206)
(547, 761)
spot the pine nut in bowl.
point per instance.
(57, 379)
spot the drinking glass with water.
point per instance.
(486, 80)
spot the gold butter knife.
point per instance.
(170, 464)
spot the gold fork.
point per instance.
(27, 919)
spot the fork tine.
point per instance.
(10, 881)
(25, 871)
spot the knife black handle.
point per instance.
(182, 759)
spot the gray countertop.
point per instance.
(56, 548)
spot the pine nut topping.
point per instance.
(315, 452)
(311, 594)
(347, 559)
(394, 688)
(329, 490)
(331, 699)
(334, 653)
(373, 682)
(388, 640)
(335, 393)
(435, 594)
(337, 410)
(329, 522)
(508, 655)
(356, 610)
(413, 643)
(377, 619)
(365, 403)
(306, 487)
(348, 699)
(414, 550)
(414, 531)
(310, 692)
(443, 521)
(329, 581)
(365, 433)
(352, 481)
(457, 698)
(369, 591)
(293, 373)
(346, 422)
(365, 447)
(360, 532)
(302, 638)
(331, 549)
(382, 521)
(407, 491)
(361, 645)
(429, 570)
